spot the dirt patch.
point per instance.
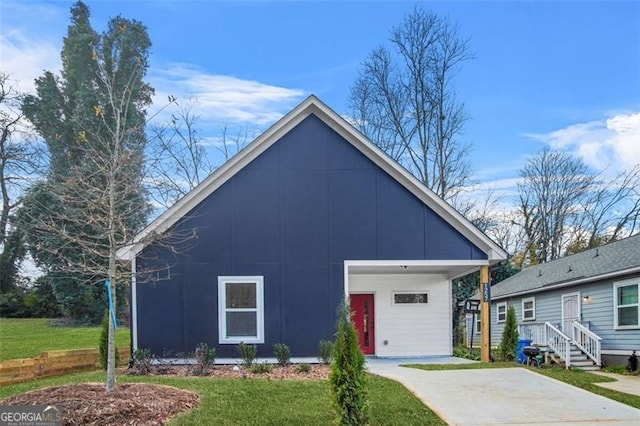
(129, 404)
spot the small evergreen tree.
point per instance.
(509, 342)
(103, 345)
(347, 376)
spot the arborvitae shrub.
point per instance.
(347, 378)
(509, 342)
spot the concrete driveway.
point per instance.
(505, 396)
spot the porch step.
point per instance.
(579, 361)
(584, 365)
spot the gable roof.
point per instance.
(608, 261)
(312, 105)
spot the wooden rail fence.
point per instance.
(53, 363)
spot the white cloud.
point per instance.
(612, 143)
(25, 59)
(223, 98)
(26, 51)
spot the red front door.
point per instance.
(362, 308)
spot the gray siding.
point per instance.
(597, 313)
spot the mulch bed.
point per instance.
(144, 404)
(129, 404)
(318, 372)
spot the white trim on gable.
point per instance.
(312, 105)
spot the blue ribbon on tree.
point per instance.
(112, 309)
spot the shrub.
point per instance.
(325, 348)
(141, 362)
(304, 368)
(103, 344)
(347, 377)
(509, 342)
(282, 354)
(248, 353)
(461, 351)
(205, 356)
(261, 368)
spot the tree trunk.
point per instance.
(111, 351)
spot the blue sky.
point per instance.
(565, 74)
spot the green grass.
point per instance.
(469, 366)
(620, 369)
(29, 337)
(267, 402)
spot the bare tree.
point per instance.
(179, 159)
(230, 144)
(610, 211)
(404, 101)
(553, 185)
(564, 207)
(92, 118)
(20, 157)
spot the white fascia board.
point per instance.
(494, 252)
(426, 262)
(312, 105)
(221, 175)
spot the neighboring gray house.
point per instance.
(583, 305)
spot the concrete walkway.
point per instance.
(626, 384)
(505, 396)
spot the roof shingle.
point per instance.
(613, 257)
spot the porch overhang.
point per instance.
(450, 268)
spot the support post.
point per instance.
(485, 315)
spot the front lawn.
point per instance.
(267, 402)
(29, 337)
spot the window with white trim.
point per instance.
(478, 319)
(626, 309)
(241, 309)
(528, 309)
(501, 312)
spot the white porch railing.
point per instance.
(560, 343)
(588, 341)
(534, 331)
(545, 334)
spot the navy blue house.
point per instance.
(308, 213)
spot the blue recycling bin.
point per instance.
(519, 353)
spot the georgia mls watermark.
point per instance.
(30, 415)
